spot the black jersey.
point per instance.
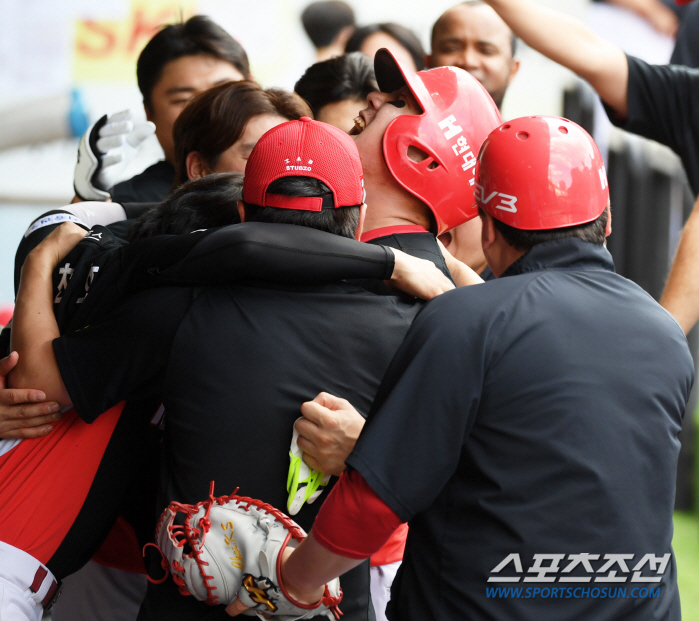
(151, 186)
(527, 430)
(662, 106)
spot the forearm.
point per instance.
(352, 524)
(34, 328)
(310, 566)
(681, 295)
(571, 43)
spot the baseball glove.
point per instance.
(231, 547)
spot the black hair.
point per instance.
(215, 120)
(197, 36)
(406, 37)
(593, 232)
(350, 76)
(513, 37)
(341, 221)
(199, 204)
(323, 21)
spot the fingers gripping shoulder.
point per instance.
(229, 548)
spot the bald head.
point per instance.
(472, 36)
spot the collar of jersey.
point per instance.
(570, 253)
(392, 230)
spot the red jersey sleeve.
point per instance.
(353, 521)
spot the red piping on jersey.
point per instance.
(392, 230)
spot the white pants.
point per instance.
(24, 583)
(381, 580)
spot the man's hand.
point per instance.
(58, 244)
(23, 412)
(328, 432)
(417, 277)
(462, 274)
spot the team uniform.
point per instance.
(661, 107)
(533, 447)
(83, 473)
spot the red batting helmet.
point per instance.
(541, 172)
(458, 114)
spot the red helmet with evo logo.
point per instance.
(541, 172)
(457, 116)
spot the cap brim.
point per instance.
(683, 2)
(390, 76)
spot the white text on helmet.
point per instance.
(506, 201)
(460, 147)
(602, 177)
(450, 122)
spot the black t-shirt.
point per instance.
(662, 106)
(536, 414)
(151, 186)
(233, 365)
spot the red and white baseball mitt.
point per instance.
(230, 548)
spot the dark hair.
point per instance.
(215, 119)
(323, 21)
(513, 37)
(350, 76)
(406, 37)
(339, 221)
(593, 232)
(197, 36)
(199, 204)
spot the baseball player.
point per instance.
(651, 100)
(527, 428)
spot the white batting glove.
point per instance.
(105, 150)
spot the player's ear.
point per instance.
(360, 226)
(196, 166)
(608, 230)
(241, 210)
(487, 231)
(514, 68)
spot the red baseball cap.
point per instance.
(305, 148)
(682, 2)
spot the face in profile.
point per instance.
(475, 38)
(341, 114)
(370, 125)
(235, 157)
(182, 79)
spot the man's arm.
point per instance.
(681, 295)
(572, 44)
(34, 325)
(24, 413)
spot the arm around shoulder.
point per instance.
(569, 42)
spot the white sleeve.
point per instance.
(87, 213)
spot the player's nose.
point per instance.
(376, 99)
